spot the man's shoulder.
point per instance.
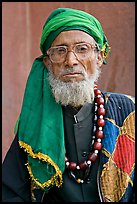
(119, 107)
(118, 96)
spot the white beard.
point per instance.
(75, 93)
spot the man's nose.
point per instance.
(71, 59)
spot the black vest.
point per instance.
(78, 137)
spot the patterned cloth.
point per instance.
(118, 153)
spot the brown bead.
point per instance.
(97, 145)
(97, 92)
(100, 100)
(92, 157)
(100, 122)
(72, 165)
(101, 111)
(99, 134)
(83, 165)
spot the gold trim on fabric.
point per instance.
(106, 153)
(112, 121)
(103, 50)
(42, 198)
(114, 181)
(33, 187)
(131, 98)
(55, 179)
(128, 127)
(106, 97)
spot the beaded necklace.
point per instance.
(96, 140)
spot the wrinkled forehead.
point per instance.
(72, 37)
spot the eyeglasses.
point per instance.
(82, 51)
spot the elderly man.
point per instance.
(73, 143)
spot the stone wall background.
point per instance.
(22, 24)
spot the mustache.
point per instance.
(72, 70)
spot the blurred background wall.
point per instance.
(22, 24)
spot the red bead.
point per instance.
(92, 157)
(100, 100)
(100, 122)
(72, 165)
(97, 92)
(97, 146)
(101, 111)
(83, 165)
(99, 134)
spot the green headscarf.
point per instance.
(40, 125)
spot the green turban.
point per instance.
(63, 19)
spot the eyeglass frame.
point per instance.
(94, 46)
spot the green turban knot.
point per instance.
(63, 19)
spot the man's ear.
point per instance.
(100, 59)
(47, 62)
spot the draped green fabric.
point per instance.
(40, 129)
(40, 124)
(63, 19)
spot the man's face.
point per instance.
(73, 71)
(80, 67)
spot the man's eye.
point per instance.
(61, 50)
(82, 48)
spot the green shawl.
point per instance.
(40, 129)
(40, 125)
